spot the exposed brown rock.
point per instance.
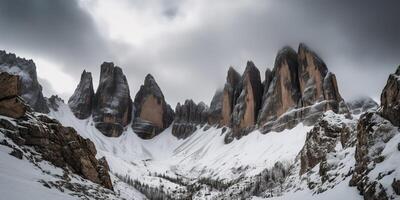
(152, 113)
(10, 86)
(12, 107)
(300, 89)
(31, 90)
(390, 99)
(62, 146)
(112, 106)
(245, 111)
(81, 102)
(222, 104)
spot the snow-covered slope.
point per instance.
(203, 154)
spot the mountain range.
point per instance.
(289, 136)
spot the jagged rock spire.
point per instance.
(187, 117)
(152, 113)
(112, 107)
(81, 102)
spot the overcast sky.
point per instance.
(189, 45)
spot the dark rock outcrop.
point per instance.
(31, 90)
(245, 111)
(361, 105)
(81, 102)
(152, 113)
(60, 145)
(54, 102)
(299, 89)
(112, 105)
(188, 117)
(390, 98)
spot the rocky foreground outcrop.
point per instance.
(390, 98)
(31, 90)
(81, 102)
(60, 145)
(188, 117)
(152, 113)
(112, 105)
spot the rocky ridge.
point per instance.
(62, 146)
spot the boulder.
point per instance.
(152, 113)
(245, 111)
(112, 104)
(390, 99)
(31, 90)
(188, 117)
(81, 102)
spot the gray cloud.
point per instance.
(357, 39)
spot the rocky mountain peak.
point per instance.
(31, 90)
(297, 83)
(81, 101)
(152, 113)
(112, 106)
(245, 111)
(390, 98)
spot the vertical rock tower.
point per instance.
(152, 113)
(81, 102)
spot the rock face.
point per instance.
(245, 111)
(81, 102)
(390, 98)
(31, 90)
(299, 89)
(60, 145)
(323, 138)
(112, 106)
(11, 105)
(152, 113)
(222, 104)
(361, 105)
(373, 132)
(188, 117)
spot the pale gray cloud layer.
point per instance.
(188, 45)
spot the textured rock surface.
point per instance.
(323, 138)
(222, 104)
(112, 106)
(11, 105)
(299, 89)
(31, 90)
(245, 111)
(54, 101)
(81, 102)
(390, 98)
(361, 105)
(373, 132)
(188, 117)
(152, 113)
(60, 145)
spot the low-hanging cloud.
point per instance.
(188, 45)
